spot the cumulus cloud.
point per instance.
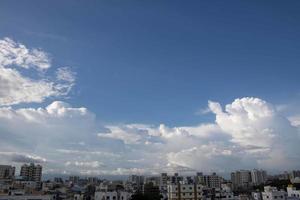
(247, 133)
(16, 88)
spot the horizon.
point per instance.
(118, 88)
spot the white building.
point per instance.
(293, 192)
(184, 191)
(258, 176)
(224, 193)
(112, 195)
(271, 193)
(256, 195)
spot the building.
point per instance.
(223, 193)
(175, 179)
(210, 181)
(74, 179)
(112, 195)
(258, 176)
(7, 172)
(256, 195)
(137, 182)
(155, 180)
(164, 179)
(27, 197)
(31, 172)
(294, 174)
(199, 178)
(184, 191)
(213, 181)
(293, 192)
(271, 193)
(241, 178)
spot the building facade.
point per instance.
(112, 195)
(241, 178)
(31, 172)
(271, 193)
(184, 191)
(258, 176)
(7, 172)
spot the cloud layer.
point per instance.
(249, 132)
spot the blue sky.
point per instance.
(160, 62)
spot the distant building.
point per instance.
(31, 172)
(256, 195)
(213, 181)
(27, 197)
(112, 195)
(294, 174)
(137, 182)
(164, 179)
(7, 172)
(210, 181)
(155, 180)
(293, 192)
(184, 191)
(241, 178)
(223, 193)
(74, 179)
(258, 176)
(199, 179)
(271, 193)
(175, 179)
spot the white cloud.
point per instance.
(87, 164)
(17, 157)
(295, 120)
(15, 88)
(248, 120)
(241, 138)
(65, 74)
(14, 53)
(249, 132)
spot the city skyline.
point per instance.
(119, 88)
